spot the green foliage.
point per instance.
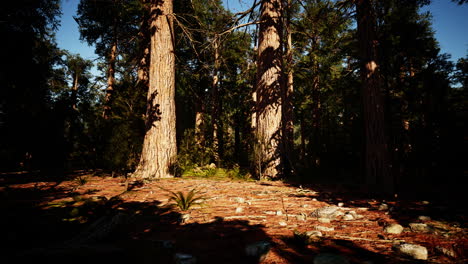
(185, 201)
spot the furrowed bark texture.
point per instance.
(110, 80)
(159, 147)
(269, 91)
(377, 164)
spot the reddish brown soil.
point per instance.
(38, 217)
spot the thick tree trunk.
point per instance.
(110, 80)
(269, 91)
(159, 147)
(377, 163)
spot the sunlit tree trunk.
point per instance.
(288, 113)
(110, 79)
(159, 147)
(377, 163)
(269, 91)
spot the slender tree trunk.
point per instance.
(110, 80)
(288, 113)
(215, 108)
(74, 92)
(378, 174)
(269, 91)
(159, 147)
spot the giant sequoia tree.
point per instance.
(377, 164)
(269, 92)
(159, 146)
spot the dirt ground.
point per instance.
(66, 222)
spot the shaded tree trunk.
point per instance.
(159, 147)
(269, 92)
(215, 101)
(377, 163)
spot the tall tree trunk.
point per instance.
(74, 92)
(159, 146)
(215, 108)
(288, 113)
(377, 163)
(110, 80)
(269, 91)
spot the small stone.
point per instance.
(270, 212)
(314, 199)
(324, 228)
(239, 199)
(305, 205)
(184, 218)
(446, 251)
(340, 204)
(424, 218)
(212, 166)
(393, 229)
(348, 217)
(419, 227)
(325, 212)
(181, 258)
(383, 207)
(313, 233)
(324, 220)
(258, 250)
(425, 202)
(282, 223)
(414, 251)
(301, 217)
(279, 212)
(239, 209)
(328, 258)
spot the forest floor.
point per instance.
(90, 218)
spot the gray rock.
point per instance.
(329, 212)
(348, 217)
(258, 250)
(419, 227)
(181, 258)
(393, 229)
(446, 251)
(340, 204)
(239, 199)
(383, 207)
(301, 217)
(239, 209)
(424, 218)
(279, 212)
(282, 223)
(414, 251)
(313, 233)
(324, 228)
(324, 220)
(328, 258)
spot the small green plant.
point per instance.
(184, 201)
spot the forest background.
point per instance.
(59, 115)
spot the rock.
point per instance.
(383, 207)
(305, 205)
(324, 228)
(424, 218)
(425, 202)
(184, 218)
(348, 217)
(446, 251)
(181, 258)
(270, 212)
(301, 217)
(313, 233)
(329, 212)
(314, 199)
(282, 223)
(258, 250)
(212, 166)
(414, 251)
(393, 229)
(419, 227)
(239, 209)
(279, 212)
(328, 258)
(239, 199)
(340, 204)
(324, 220)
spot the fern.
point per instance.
(184, 201)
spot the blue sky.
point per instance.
(450, 22)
